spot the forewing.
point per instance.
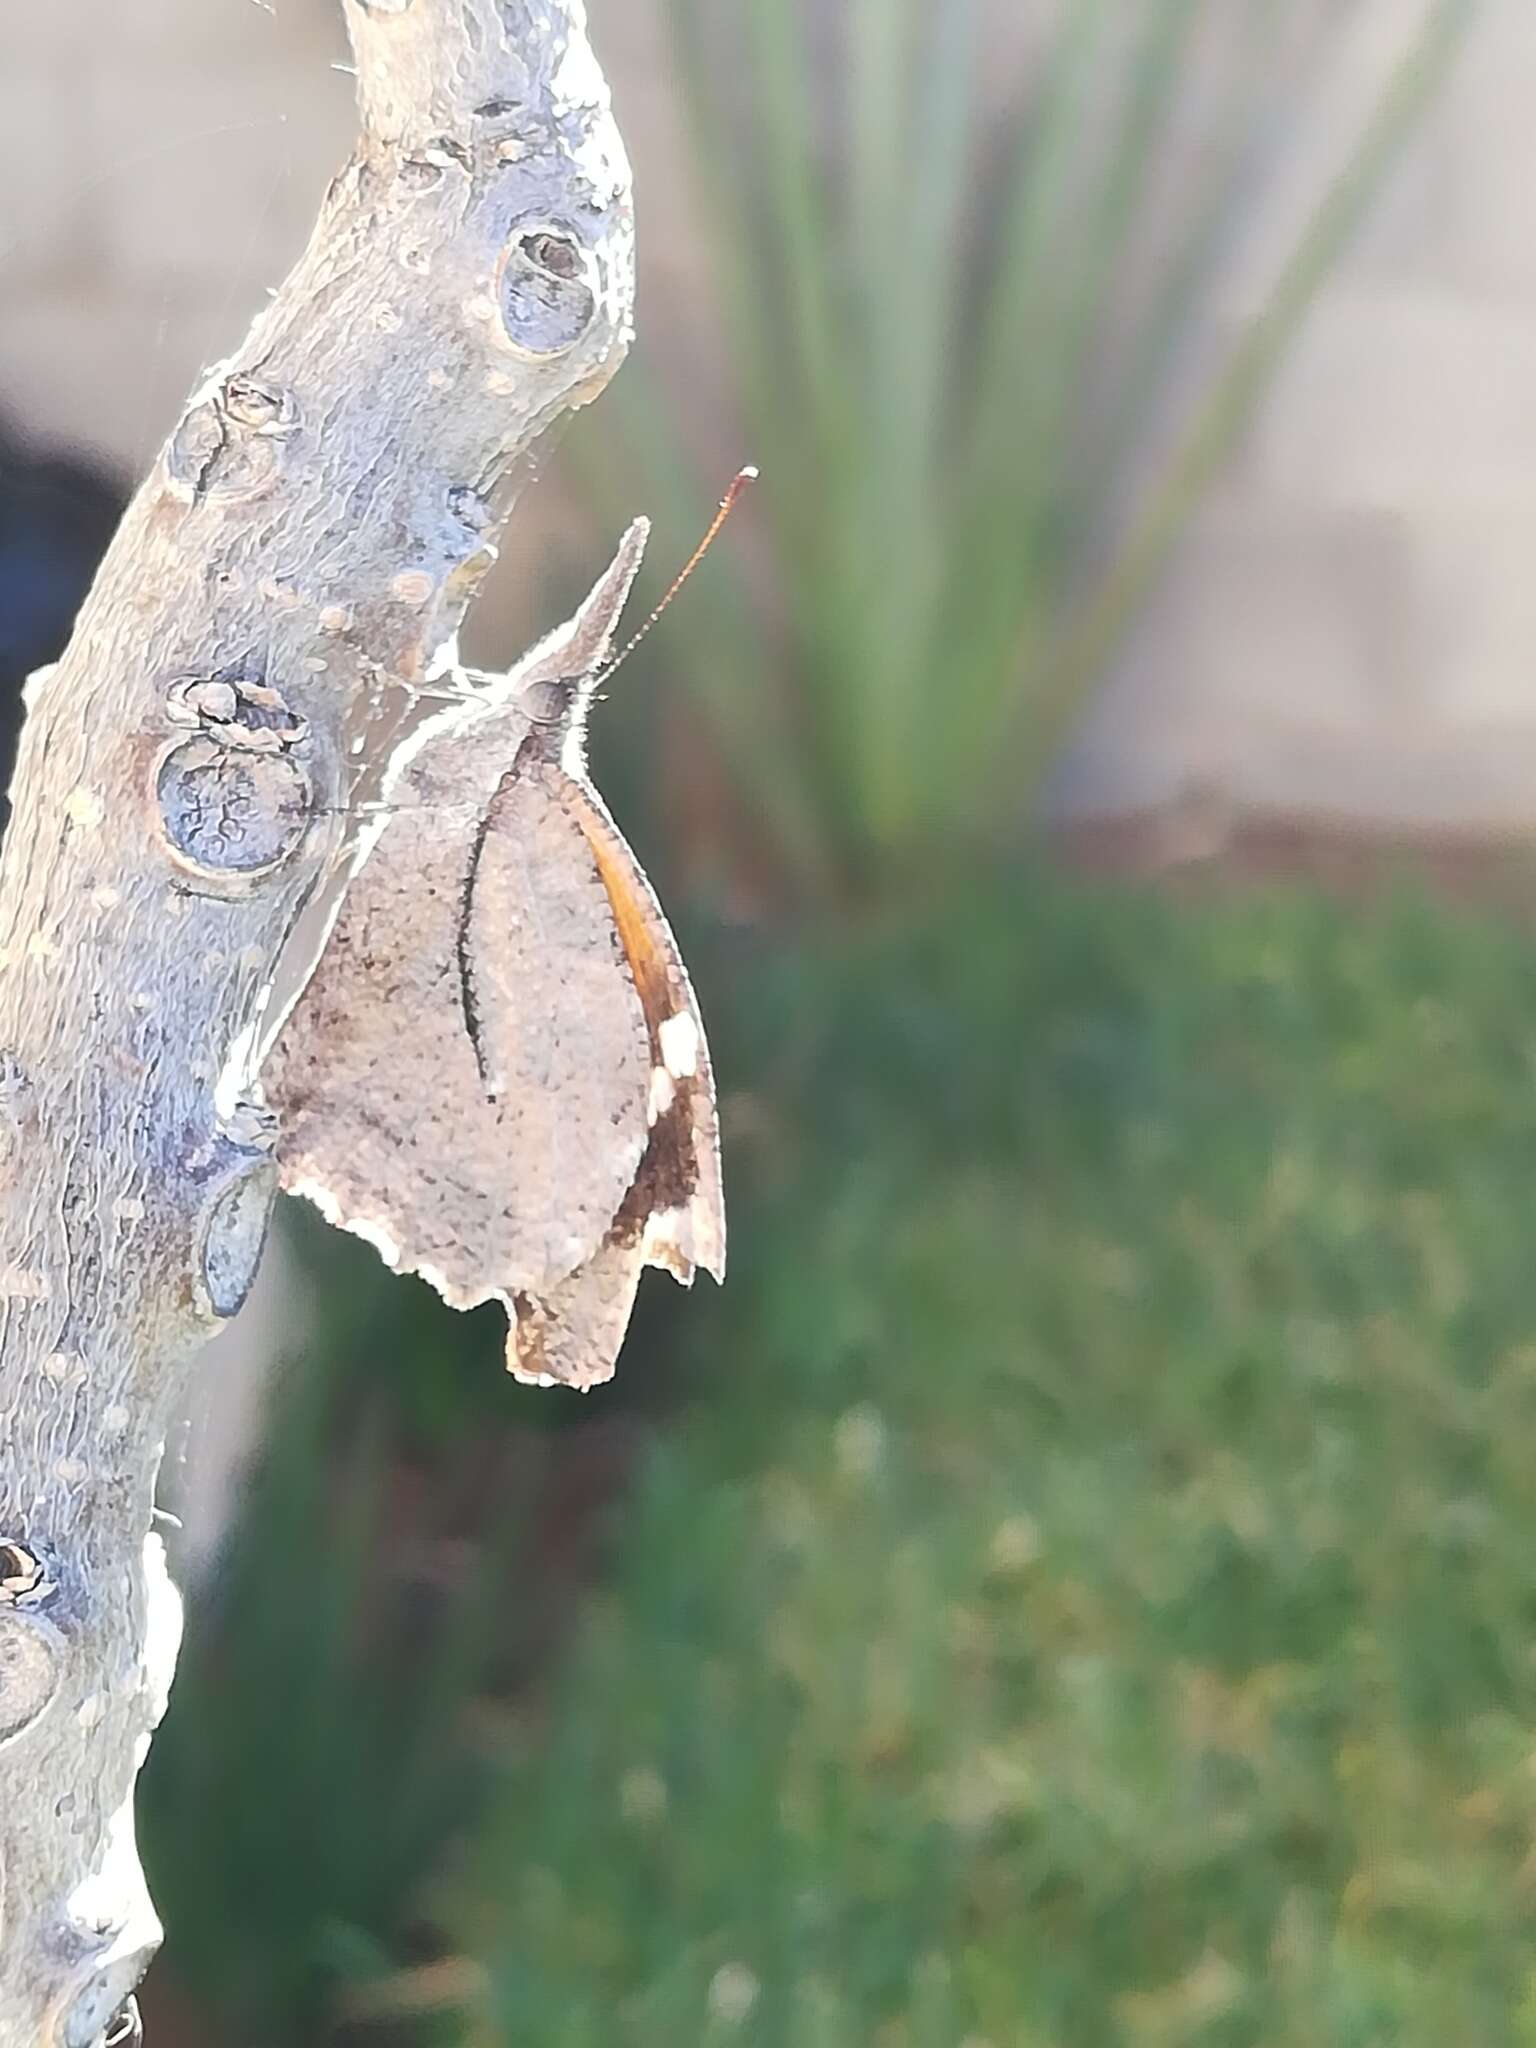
(383, 1119)
(480, 1157)
(684, 1197)
(556, 1024)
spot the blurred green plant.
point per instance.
(951, 309)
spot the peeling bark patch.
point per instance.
(29, 1672)
(235, 1238)
(104, 2018)
(241, 714)
(127, 2030)
(421, 173)
(85, 809)
(251, 1126)
(471, 509)
(263, 408)
(227, 812)
(230, 445)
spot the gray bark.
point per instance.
(188, 792)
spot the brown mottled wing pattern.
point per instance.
(685, 1220)
(462, 1156)
(571, 1336)
(674, 1215)
(558, 1028)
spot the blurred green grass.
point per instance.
(1089, 1598)
(1084, 1591)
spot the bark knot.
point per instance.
(232, 800)
(231, 443)
(29, 1671)
(240, 1173)
(127, 2030)
(548, 288)
(241, 714)
(228, 813)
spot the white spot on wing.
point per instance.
(679, 1037)
(663, 1095)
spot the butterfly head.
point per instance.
(556, 710)
(556, 684)
(553, 701)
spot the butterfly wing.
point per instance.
(556, 1022)
(684, 1219)
(674, 1214)
(372, 1075)
(571, 1336)
(485, 1157)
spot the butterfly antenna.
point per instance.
(742, 478)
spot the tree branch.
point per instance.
(297, 560)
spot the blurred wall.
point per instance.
(1351, 625)
(165, 160)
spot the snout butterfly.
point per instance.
(498, 1073)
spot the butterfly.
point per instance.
(498, 1074)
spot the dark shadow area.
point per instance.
(58, 510)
